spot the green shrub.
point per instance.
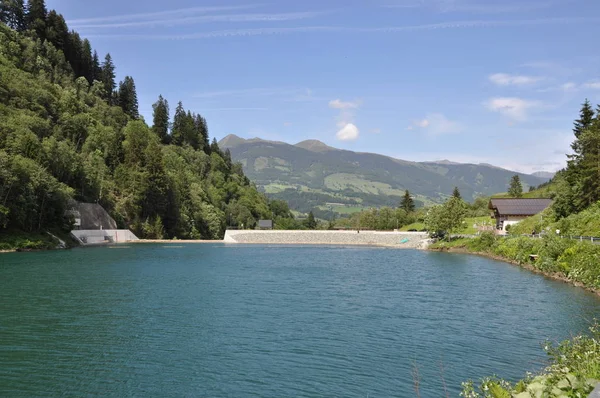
(574, 370)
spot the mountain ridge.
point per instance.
(314, 145)
(331, 182)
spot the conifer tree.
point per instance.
(160, 124)
(179, 121)
(127, 97)
(191, 136)
(214, 147)
(516, 189)
(96, 68)
(87, 62)
(12, 13)
(587, 186)
(57, 31)
(75, 52)
(586, 117)
(456, 193)
(108, 78)
(36, 17)
(311, 223)
(407, 203)
(202, 132)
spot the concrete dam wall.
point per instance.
(409, 240)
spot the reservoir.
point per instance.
(215, 320)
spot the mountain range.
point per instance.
(311, 175)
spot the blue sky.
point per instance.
(466, 80)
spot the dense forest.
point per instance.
(69, 131)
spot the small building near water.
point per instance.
(265, 224)
(509, 211)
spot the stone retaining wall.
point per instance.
(372, 238)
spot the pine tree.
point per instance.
(190, 135)
(202, 132)
(586, 117)
(214, 147)
(311, 223)
(57, 31)
(36, 17)
(588, 184)
(12, 13)
(227, 158)
(179, 121)
(127, 97)
(87, 62)
(108, 78)
(516, 189)
(160, 124)
(96, 68)
(75, 53)
(456, 193)
(407, 203)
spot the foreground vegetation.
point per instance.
(573, 371)
(68, 131)
(572, 260)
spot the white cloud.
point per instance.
(348, 133)
(345, 119)
(339, 104)
(504, 79)
(570, 86)
(594, 85)
(231, 18)
(181, 12)
(436, 124)
(251, 32)
(422, 123)
(511, 107)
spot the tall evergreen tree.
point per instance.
(202, 132)
(586, 117)
(127, 97)
(310, 222)
(516, 189)
(190, 135)
(588, 185)
(179, 122)
(75, 53)
(12, 13)
(407, 203)
(36, 17)
(214, 147)
(96, 68)
(456, 193)
(108, 78)
(87, 62)
(57, 31)
(160, 118)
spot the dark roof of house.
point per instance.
(519, 207)
(265, 224)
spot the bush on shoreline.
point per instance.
(576, 261)
(573, 371)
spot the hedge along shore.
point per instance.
(557, 276)
(400, 240)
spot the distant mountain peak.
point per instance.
(544, 174)
(315, 146)
(231, 141)
(443, 161)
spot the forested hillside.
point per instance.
(312, 176)
(69, 131)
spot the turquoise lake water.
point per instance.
(270, 321)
